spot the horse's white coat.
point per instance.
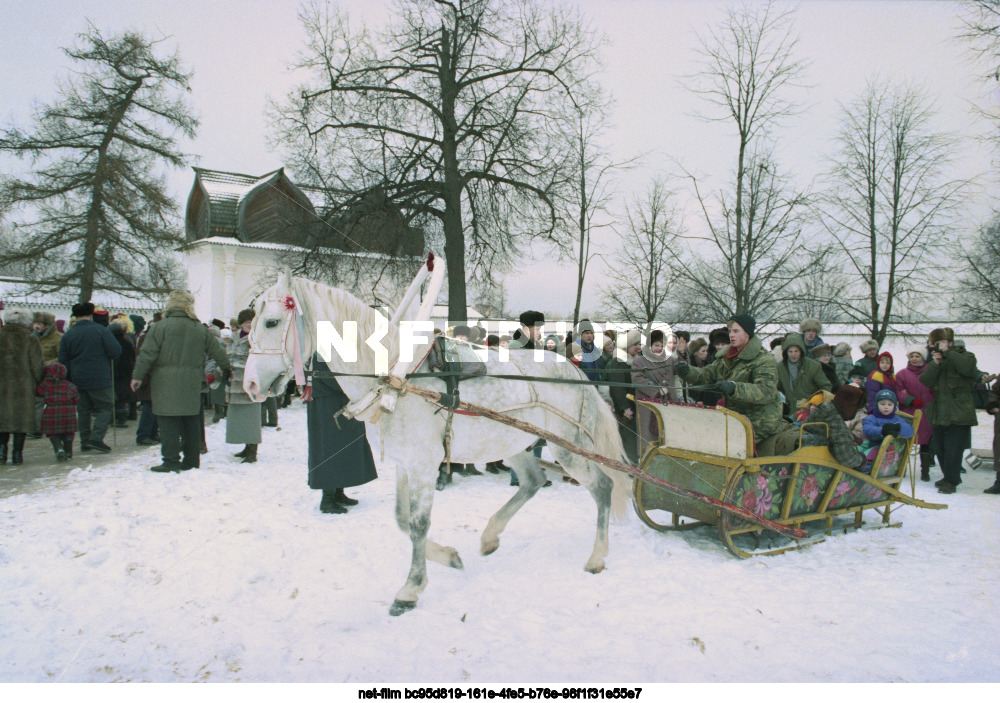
(413, 433)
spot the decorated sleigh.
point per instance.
(711, 451)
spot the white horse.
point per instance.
(414, 431)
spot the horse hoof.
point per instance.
(595, 568)
(402, 606)
(490, 547)
(455, 561)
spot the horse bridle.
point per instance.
(292, 324)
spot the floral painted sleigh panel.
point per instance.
(806, 488)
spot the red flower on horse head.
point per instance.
(289, 302)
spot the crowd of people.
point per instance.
(105, 370)
(780, 387)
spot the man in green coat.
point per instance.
(951, 376)
(747, 375)
(799, 375)
(173, 354)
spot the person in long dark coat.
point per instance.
(339, 457)
(20, 373)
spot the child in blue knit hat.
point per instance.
(883, 422)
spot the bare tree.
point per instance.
(95, 210)
(889, 207)
(760, 261)
(979, 285)
(641, 282)
(445, 112)
(590, 181)
(747, 66)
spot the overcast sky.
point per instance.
(239, 51)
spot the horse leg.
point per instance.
(421, 501)
(531, 477)
(600, 488)
(435, 552)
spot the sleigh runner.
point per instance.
(710, 451)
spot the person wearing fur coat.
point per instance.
(21, 370)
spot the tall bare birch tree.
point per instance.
(890, 206)
(754, 224)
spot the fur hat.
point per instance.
(181, 300)
(83, 310)
(868, 345)
(234, 322)
(17, 316)
(218, 323)
(941, 333)
(697, 345)
(573, 350)
(777, 342)
(810, 323)
(746, 321)
(244, 316)
(842, 349)
(822, 350)
(226, 333)
(848, 400)
(45, 318)
(856, 371)
(683, 334)
(462, 331)
(214, 332)
(531, 318)
(632, 338)
(720, 335)
(917, 349)
(585, 326)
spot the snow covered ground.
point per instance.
(231, 574)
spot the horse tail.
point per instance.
(608, 442)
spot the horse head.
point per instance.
(275, 344)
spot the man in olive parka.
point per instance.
(800, 375)
(746, 375)
(951, 375)
(173, 354)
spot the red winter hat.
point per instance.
(891, 366)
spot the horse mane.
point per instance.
(321, 302)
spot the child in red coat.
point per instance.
(59, 416)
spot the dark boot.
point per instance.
(444, 477)
(68, 447)
(17, 452)
(243, 452)
(995, 488)
(926, 462)
(3, 453)
(328, 504)
(492, 467)
(471, 470)
(251, 455)
(343, 499)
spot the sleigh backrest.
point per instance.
(715, 431)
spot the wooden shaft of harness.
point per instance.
(785, 530)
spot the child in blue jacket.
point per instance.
(883, 422)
